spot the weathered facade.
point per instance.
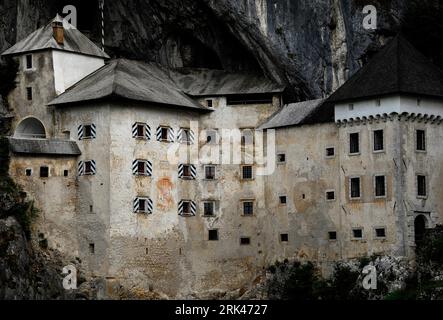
(128, 163)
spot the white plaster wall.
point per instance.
(69, 68)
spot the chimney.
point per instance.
(58, 30)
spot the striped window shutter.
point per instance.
(158, 134)
(191, 136)
(193, 208)
(171, 135)
(192, 168)
(93, 131)
(147, 132)
(148, 168)
(80, 132)
(81, 168)
(93, 167)
(148, 205)
(180, 136)
(134, 130)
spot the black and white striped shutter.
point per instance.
(134, 130)
(171, 135)
(81, 168)
(149, 205)
(80, 131)
(191, 136)
(147, 131)
(93, 130)
(93, 167)
(159, 134)
(193, 208)
(193, 171)
(179, 135)
(148, 168)
(180, 171)
(135, 167)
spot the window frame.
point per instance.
(243, 203)
(278, 158)
(326, 152)
(425, 196)
(216, 233)
(350, 188)
(357, 238)
(26, 68)
(29, 94)
(425, 140)
(215, 172)
(48, 172)
(376, 237)
(383, 141)
(329, 235)
(385, 188)
(213, 202)
(358, 133)
(242, 172)
(326, 195)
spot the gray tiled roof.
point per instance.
(133, 80)
(295, 114)
(42, 38)
(44, 147)
(397, 68)
(205, 82)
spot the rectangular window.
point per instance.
(354, 143)
(357, 233)
(213, 235)
(164, 134)
(330, 195)
(44, 172)
(209, 103)
(209, 208)
(282, 199)
(143, 205)
(186, 171)
(378, 140)
(29, 61)
(248, 208)
(91, 248)
(29, 93)
(140, 130)
(380, 186)
(141, 168)
(281, 158)
(355, 188)
(330, 152)
(28, 172)
(88, 167)
(421, 140)
(65, 173)
(421, 186)
(87, 131)
(284, 237)
(186, 207)
(332, 235)
(247, 172)
(380, 233)
(210, 172)
(245, 241)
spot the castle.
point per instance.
(191, 182)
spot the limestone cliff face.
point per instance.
(312, 46)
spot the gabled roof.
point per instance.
(206, 82)
(74, 41)
(295, 114)
(127, 79)
(397, 69)
(44, 146)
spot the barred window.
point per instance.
(355, 188)
(247, 172)
(248, 208)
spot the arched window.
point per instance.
(30, 128)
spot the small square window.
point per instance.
(284, 237)
(380, 186)
(141, 130)
(89, 168)
(164, 134)
(209, 103)
(357, 233)
(332, 235)
(244, 241)
(213, 235)
(44, 172)
(281, 158)
(248, 208)
(355, 188)
(87, 133)
(380, 233)
(65, 173)
(186, 207)
(330, 152)
(91, 248)
(282, 199)
(208, 208)
(354, 143)
(29, 61)
(330, 195)
(28, 172)
(378, 140)
(187, 171)
(421, 186)
(247, 172)
(421, 140)
(29, 93)
(210, 172)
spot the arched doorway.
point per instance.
(419, 228)
(30, 128)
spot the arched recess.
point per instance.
(420, 226)
(30, 128)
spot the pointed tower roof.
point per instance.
(398, 68)
(74, 41)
